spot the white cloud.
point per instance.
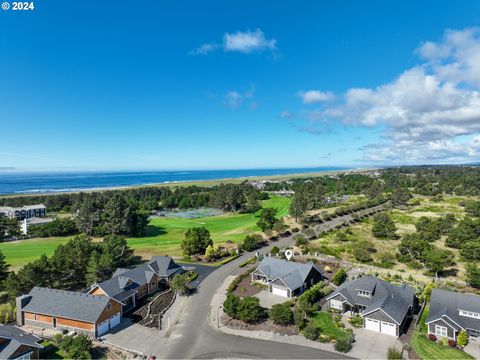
(234, 99)
(204, 49)
(315, 96)
(430, 112)
(248, 41)
(241, 41)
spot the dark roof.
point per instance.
(164, 265)
(292, 274)
(446, 305)
(68, 304)
(394, 300)
(124, 281)
(16, 338)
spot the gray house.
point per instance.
(18, 344)
(130, 285)
(385, 308)
(450, 312)
(286, 278)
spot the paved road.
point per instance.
(193, 337)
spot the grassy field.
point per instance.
(427, 349)
(21, 252)
(164, 234)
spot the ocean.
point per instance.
(51, 182)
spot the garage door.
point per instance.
(371, 324)
(279, 291)
(102, 328)
(115, 320)
(389, 329)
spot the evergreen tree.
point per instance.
(3, 267)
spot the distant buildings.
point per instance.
(25, 212)
(28, 215)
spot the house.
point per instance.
(18, 344)
(130, 285)
(66, 311)
(385, 308)
(450, 312)
(25, 212)
(286, 278)
(25, 224)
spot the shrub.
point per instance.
(432, 337)
(462, 338)
(339, 277)
(250, 311)
(443, 341)
(356, 321)
(230, 305)
(324, 338)
(452, 343)
(300, 240)
(281, 314)
(344, 344)
(275, 250)
(252, 242)
(394, 354)
(311, 331)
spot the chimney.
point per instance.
(21, 302)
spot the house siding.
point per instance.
(315, 276)
(153, 284)
(107, 314)
(97, 291)
(381, 316)
(450, 331)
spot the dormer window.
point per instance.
(469, 314)
(364, 293)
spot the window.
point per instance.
(470, 314)
(364, 293)
(441, 331)
(27, 356)
(336, 304)
(108, 307)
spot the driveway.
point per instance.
(267, 299)
(202, 270)
(473, 348)
(372, 345)
(136, 338)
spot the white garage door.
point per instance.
(115, 320)
(371, 324)
(279, 291)
(389, 329)
(102, 328)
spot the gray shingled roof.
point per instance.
(16, 338)
(291, 273)
(446, 305)
(394, 300)
(124, 281)
(68, 304)
(164, 265)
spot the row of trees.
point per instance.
(74, 265)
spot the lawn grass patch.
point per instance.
(324, 321)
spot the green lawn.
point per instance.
(327, 325)
(427, 349)
(21, 252)
(164, 235)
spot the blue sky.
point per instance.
(239, 84)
